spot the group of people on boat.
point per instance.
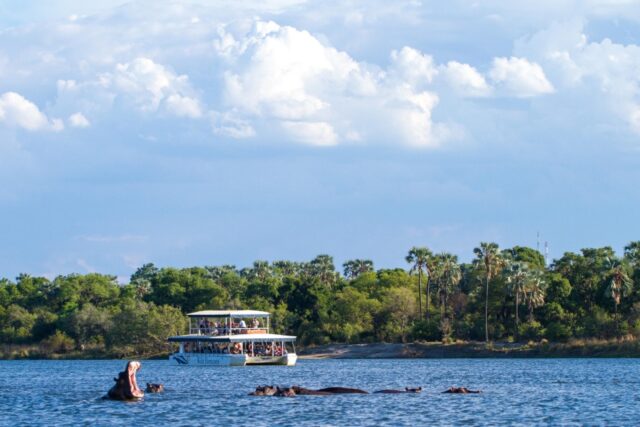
(259, 349)
(216, 328)
(266, 349)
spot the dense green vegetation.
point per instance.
(507, 295)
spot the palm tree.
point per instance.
(419, 258)
(517, 275)
(356, 267)
(322, 268)
(448, 277)
(488, 261)
(620, 285)
(534, 291)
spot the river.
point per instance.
(515, 391)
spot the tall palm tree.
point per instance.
(355, 267)
(534, 291)
(449, 276)
(488, 261)
(517, 275)
(419, 258)
(620, 284)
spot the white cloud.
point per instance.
(322, 96)
(604, 69)
(228, 124)
(151, 86)
(519, 77)
(413, 66)
(16, 110)
(465, 79)
(311, 133)
(78, 120)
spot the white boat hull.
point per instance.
(208, 359)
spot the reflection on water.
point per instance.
(549, 391)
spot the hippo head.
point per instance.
(126, 387)
(413, 390)
(155, 388)
(266, 390)
(285, 392)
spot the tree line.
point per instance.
(509, 294)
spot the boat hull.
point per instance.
(206, 359)
(286, 360)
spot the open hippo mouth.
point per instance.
(126, 386)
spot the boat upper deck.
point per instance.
(232, 338)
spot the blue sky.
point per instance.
(203, 133)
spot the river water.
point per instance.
(515, 391)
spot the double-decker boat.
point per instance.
(232, 338)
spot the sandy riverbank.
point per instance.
(592, 348)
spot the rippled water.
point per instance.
(516, 391)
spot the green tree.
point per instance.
(488, 261)
(355, 267)
(419, 258)
(517, 275)
(620, 285)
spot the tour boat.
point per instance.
(232, 338)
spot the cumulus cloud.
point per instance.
(605, 68)
(413, 66)
(151, 86)
(16, 110)
(78, 120)
(519, 77)
(465, 79)
(322, 96)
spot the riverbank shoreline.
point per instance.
(623, 348)
(436, 350)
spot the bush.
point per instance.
(426, 330)
(532, 330)
(59, 342)
(557, 332)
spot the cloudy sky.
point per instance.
(210, 132)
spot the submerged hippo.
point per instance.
(264, 390)
(406, 390)
(126, 386)
(343, 390)
(461, 390)
(154, 388)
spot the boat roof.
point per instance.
(231, 313)
(232, 338)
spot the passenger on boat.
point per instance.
(255, 323)
(202, 326)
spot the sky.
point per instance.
(220, 132)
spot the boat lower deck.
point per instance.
(213, 359)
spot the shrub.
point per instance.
(531, 330)
(59, 342)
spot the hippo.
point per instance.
(285, 392)
(343, 390)
(406, 390)
(154, 388)
(265, 390)
(308, 392)
(461, 390)
(126, 386)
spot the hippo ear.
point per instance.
(115, 379)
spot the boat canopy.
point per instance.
(229, 313)
(232, 338)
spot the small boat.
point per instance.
(232, 338)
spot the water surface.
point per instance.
(515, 391)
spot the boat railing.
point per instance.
(226, 331)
